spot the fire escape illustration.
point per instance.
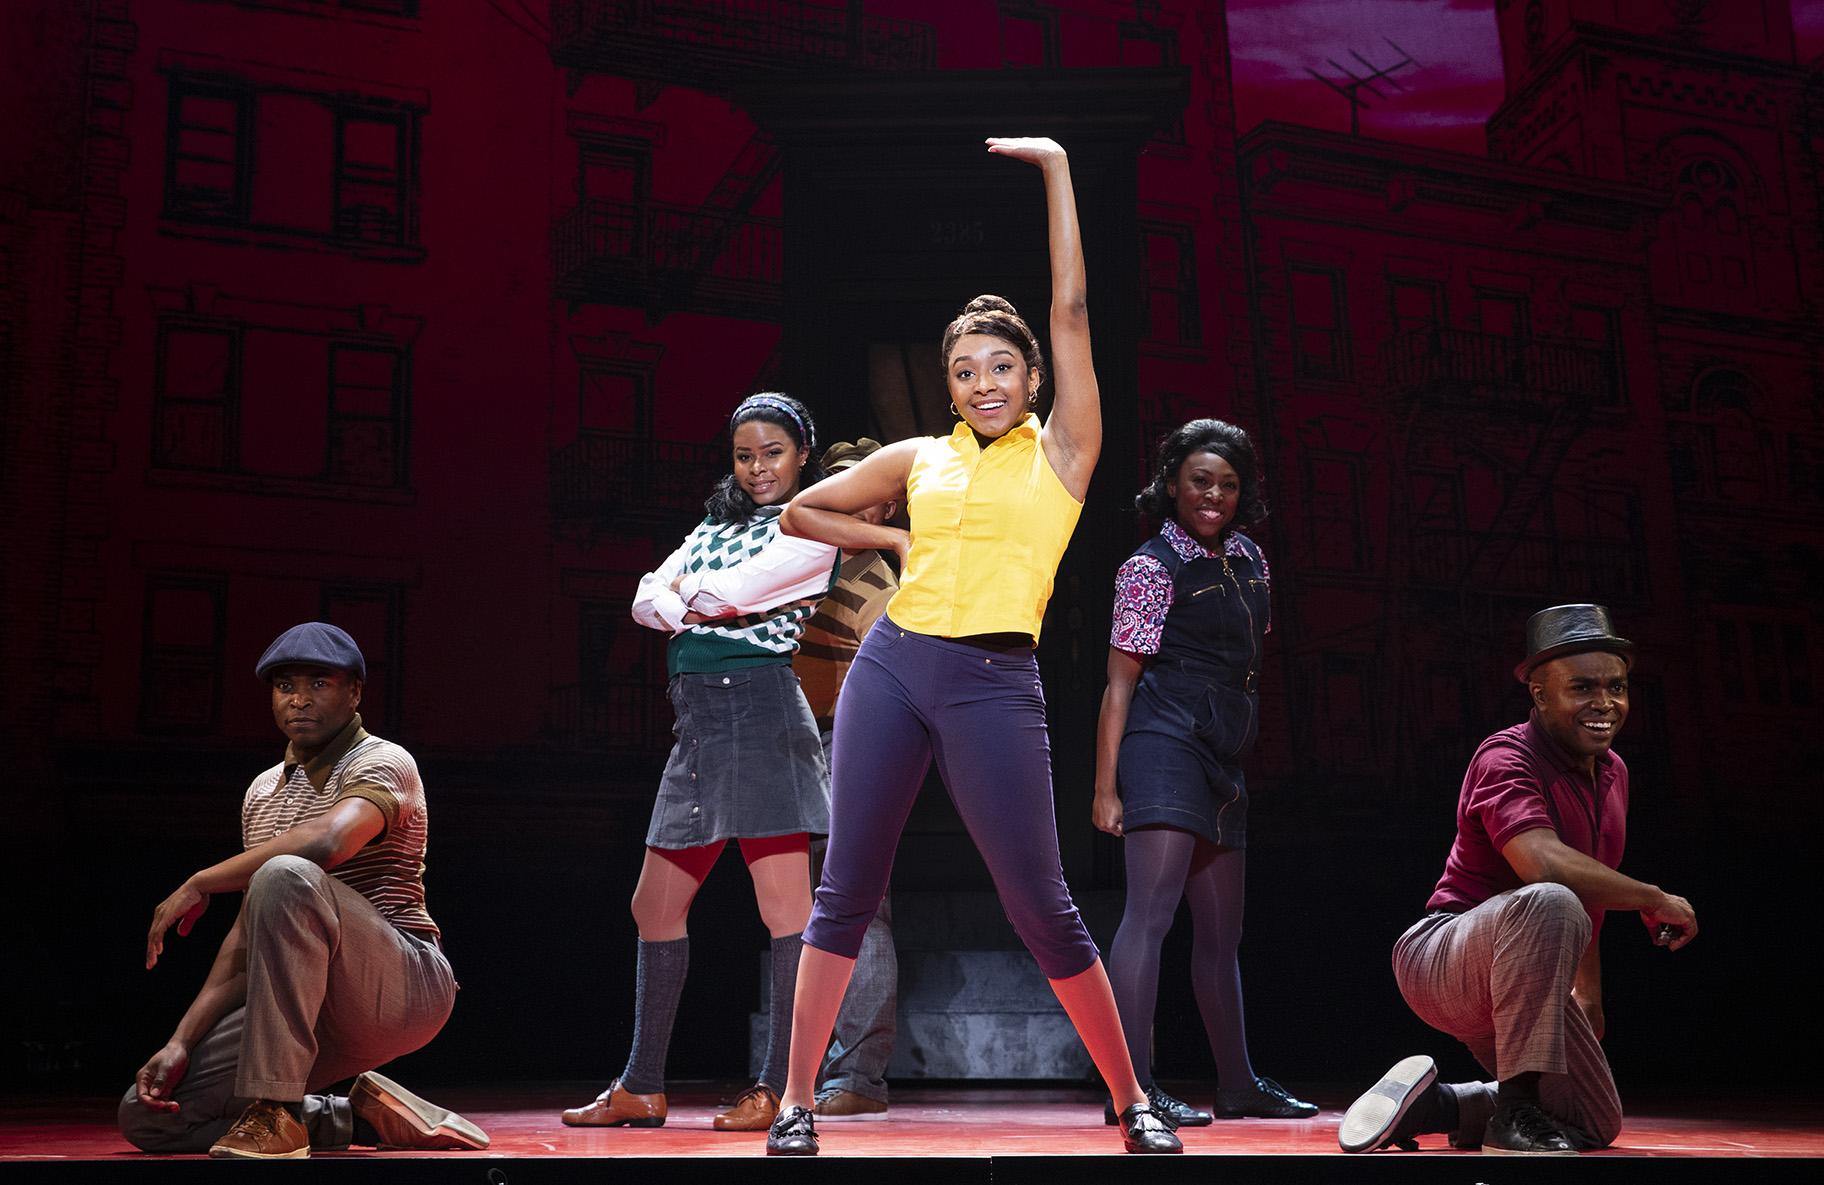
(1531, 395)
(715, 45)
(716, 257)
(1516, 405)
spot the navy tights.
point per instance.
(1163, 865)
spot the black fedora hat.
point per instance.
(1570, 629)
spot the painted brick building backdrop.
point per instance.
(424, 318)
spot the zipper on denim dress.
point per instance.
(1253, 642)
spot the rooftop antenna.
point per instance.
(1352, 89)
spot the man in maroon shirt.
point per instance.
(1507, 959)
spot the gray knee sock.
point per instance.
(658, 982)
(779, 1029)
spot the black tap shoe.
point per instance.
(1144, 1130)
(792, 1134)
(1181, 1113)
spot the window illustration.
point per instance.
(1708, 223)
(1335, 516)
(365, 416)
(1319, 348)
(1168, 262)
(370, 178)
(181, 656)
(194, 426)
(1719, 450)
(272, 158)
(207, 164)
(244, 399)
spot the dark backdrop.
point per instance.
(425, 319)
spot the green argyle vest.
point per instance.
(757, 639)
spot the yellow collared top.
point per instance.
(989, 526)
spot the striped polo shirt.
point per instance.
(864, 585)
(389, 871)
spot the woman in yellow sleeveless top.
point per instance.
(949, 671)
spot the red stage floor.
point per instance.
(959, 1124)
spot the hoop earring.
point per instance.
(954, 414)
(1032, 400)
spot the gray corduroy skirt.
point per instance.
(747, 761)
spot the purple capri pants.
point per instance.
(980, 711)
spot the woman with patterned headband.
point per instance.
(949, 670)
(748, 761)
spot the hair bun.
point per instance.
(989, 303)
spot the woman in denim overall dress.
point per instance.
(1181, 711)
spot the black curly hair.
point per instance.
(728, 502)
(996, 317)
(1205, 436)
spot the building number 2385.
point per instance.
(956, 233)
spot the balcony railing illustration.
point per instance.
(609, 478)
(714, 44)
(370, 223)
(1461, 364)
(631, 717)
(1723, 468)
(1533, 564)
(663, 258)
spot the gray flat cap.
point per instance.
(313, 644)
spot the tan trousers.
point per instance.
(333, 989)
(1498, 978)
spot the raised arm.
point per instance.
(1073, 434)
(826, 511)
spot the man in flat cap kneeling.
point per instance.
(332, 966)
(1507, 961)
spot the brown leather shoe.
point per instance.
(404, 1120)
(836, 1103)
(616, 1107)
(753, 1111)
(265, 1131)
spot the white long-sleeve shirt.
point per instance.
(733, 572)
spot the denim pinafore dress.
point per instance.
(1196, 709)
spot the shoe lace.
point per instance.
(259, 1121)
(1144, 1117)
(1268, 1086)
(1533, 1124)
(758, 1091)
(1163, 1103)
(794, 1121)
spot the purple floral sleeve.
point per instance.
(1143, 596)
